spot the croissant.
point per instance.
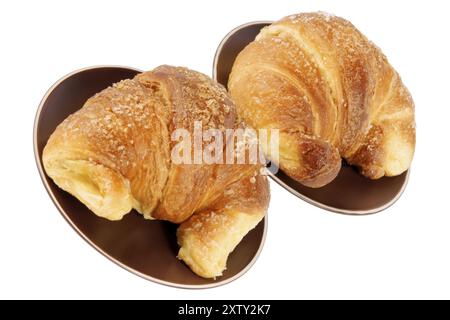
(331, 93)
(115, 155)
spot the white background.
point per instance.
(310, 253)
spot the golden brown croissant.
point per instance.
(114, 154)
(332, 94)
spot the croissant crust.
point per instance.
(331, 93)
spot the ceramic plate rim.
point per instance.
(89, 241)
(275, 177)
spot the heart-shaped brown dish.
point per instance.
(350, 192)
(146, 248)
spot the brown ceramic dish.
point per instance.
(146, 248)
(349, 193)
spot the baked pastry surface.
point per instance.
(331, 93)
(114, 155)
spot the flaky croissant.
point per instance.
(332, 94)
(114, 155)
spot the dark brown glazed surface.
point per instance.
(350, 192)
(147, 248)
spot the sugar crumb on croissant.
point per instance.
(209, 236)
